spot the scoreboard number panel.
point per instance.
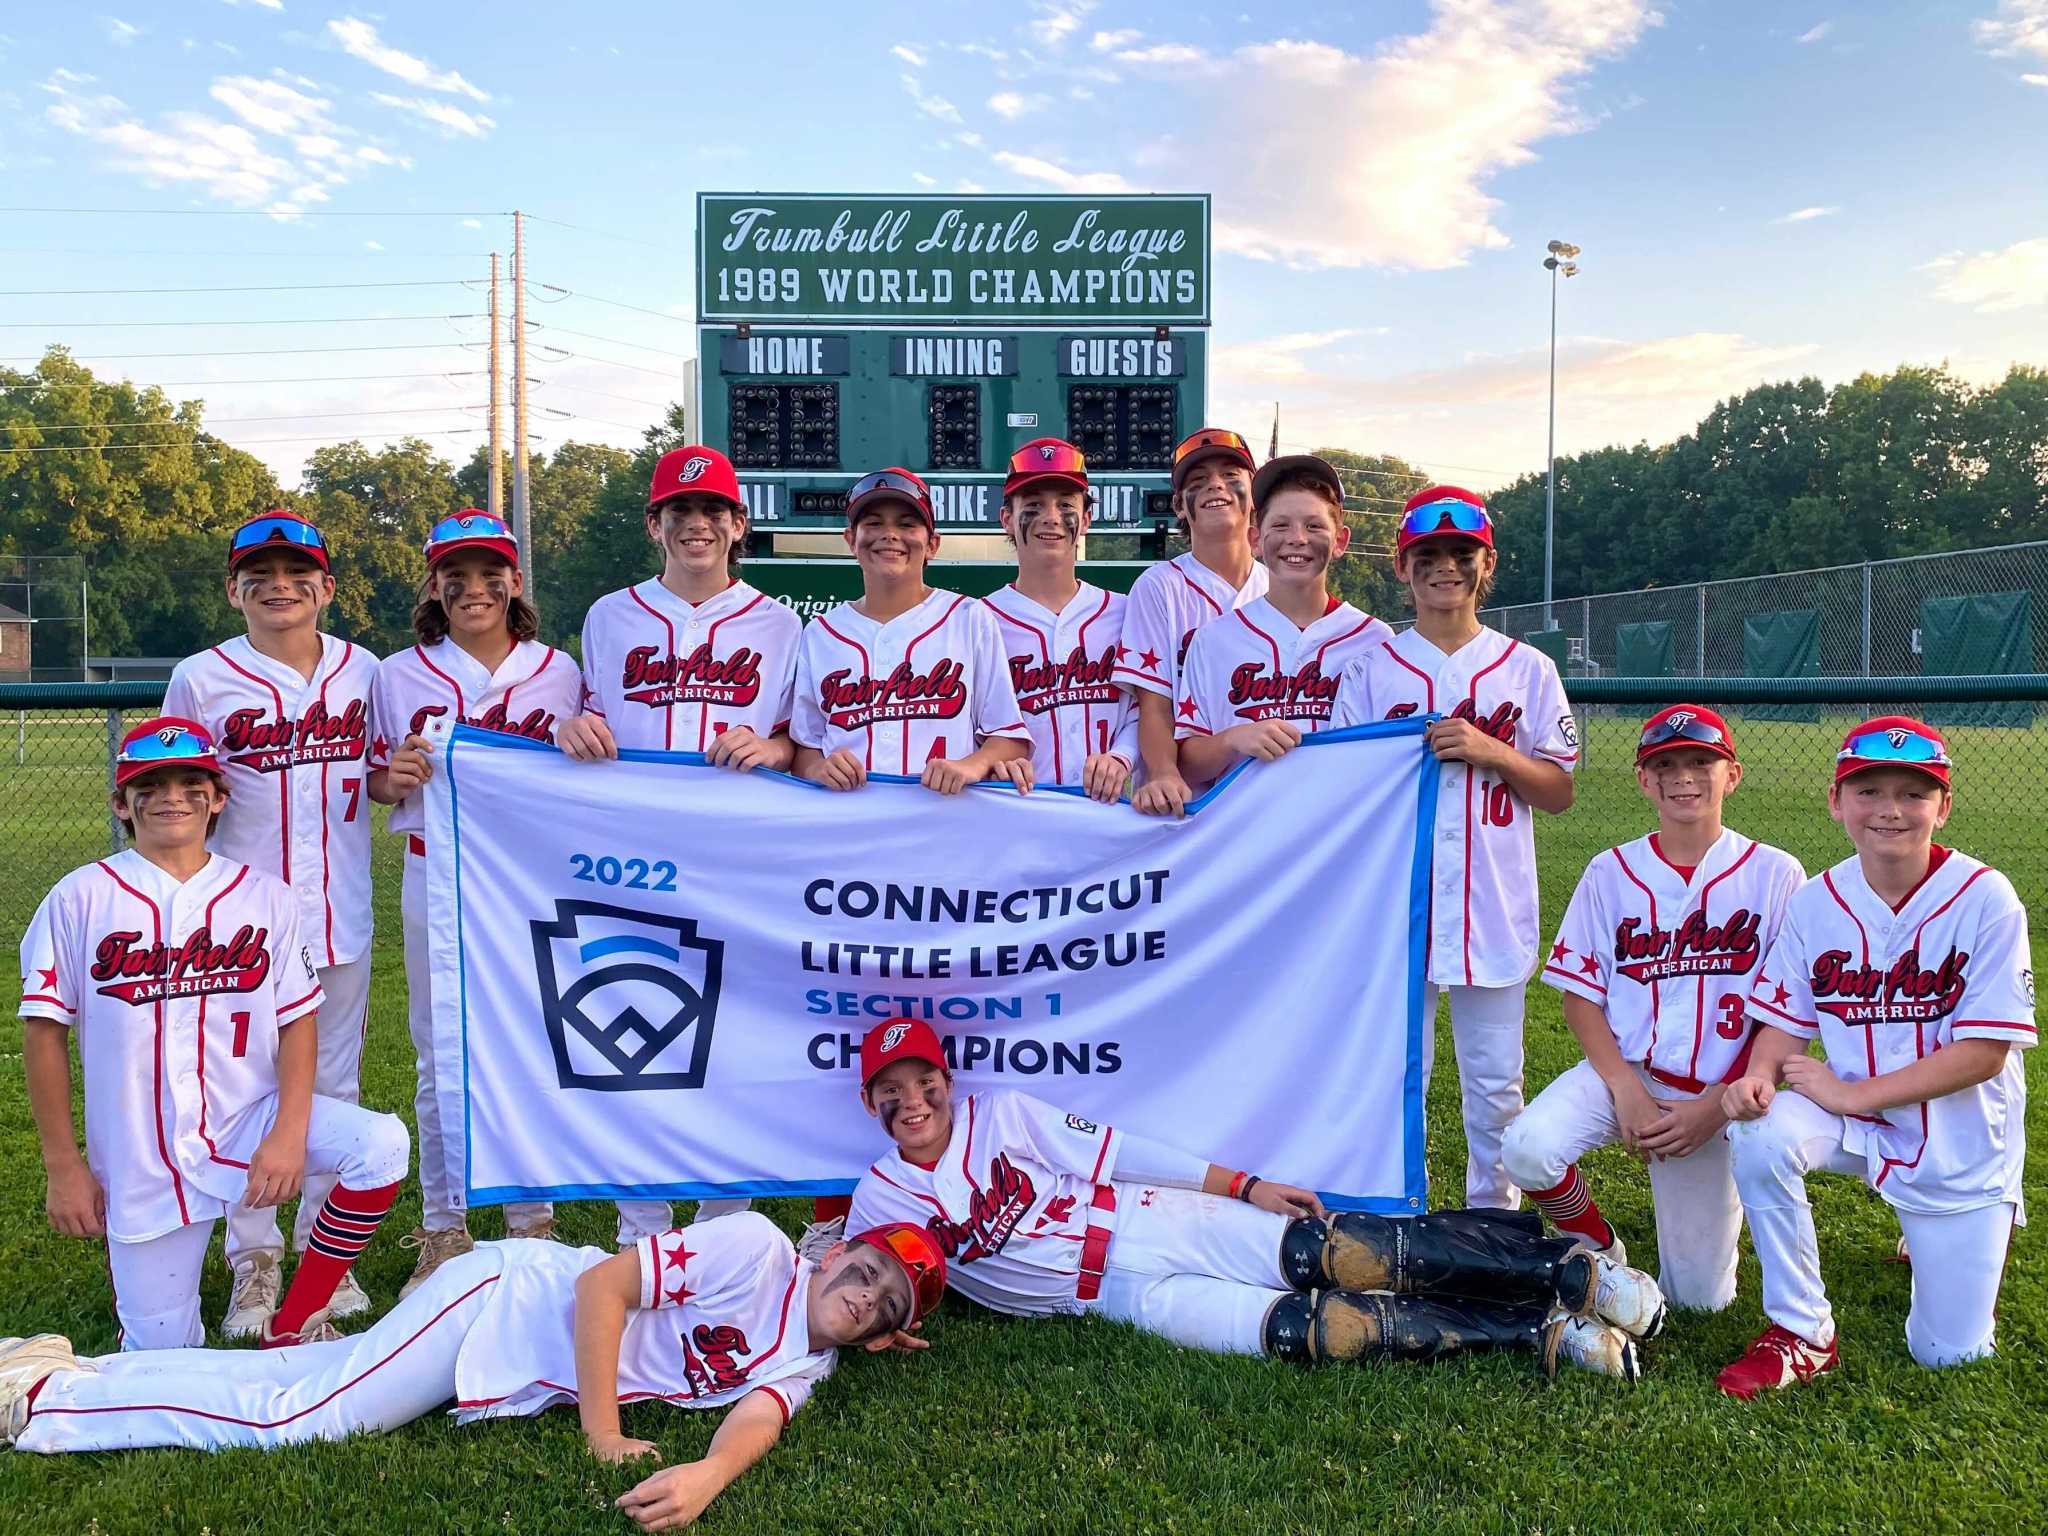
(843, 334)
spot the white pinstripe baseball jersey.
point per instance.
(1169, 602)
(1254, 664)
(1669, 957)
(1882, 989)
(1483, 904)
(669, 676)
(1061, 668)
(297, 753)
(534, 687)
(176, 991)
(929, 683)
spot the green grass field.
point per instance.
(1085, 1426)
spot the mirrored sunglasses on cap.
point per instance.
(1207, 439)
(172, 741)
(1895, 744)
(1451, 514)
(468, 528)
(911, 1248)
(280, 530)
(1688, 728)
(1048, 457)
(894, 482)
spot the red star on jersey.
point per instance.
(1122, 651)
(680, 1294)
(379, 747)
(47, 980)
(1781, 994)
(1558, 952)
(1590, 965)
(679, 1253)
(1149, 660)
(1187, 709)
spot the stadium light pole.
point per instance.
(1558, 261)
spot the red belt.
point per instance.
(415, 845)
(1693, 1084)
(1095, 1246)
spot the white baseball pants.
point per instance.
(338, 1073)
(1699, 1217)
(444, 1199)
(213, 1399)
(1958, 1257)
(1198, 1269)
(1486, 1033)
(156, 1281)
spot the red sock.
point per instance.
(342, 1231)
(825, 1207)
(1571, 1209)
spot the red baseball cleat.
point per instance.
(1778, 1358)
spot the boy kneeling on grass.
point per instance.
(1909, 963)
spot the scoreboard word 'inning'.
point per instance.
(809, 377)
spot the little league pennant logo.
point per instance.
(629, 998)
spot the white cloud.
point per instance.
(1329, 158)
(1993, 282)
(445, 115)
(1804, 215)
(1011, 105)
(908, 55)
(930, 106)
(968, 188)
(1108, 42)
(1058, 177)
(120, 33)
(923, 180)
(2035, 79)
(268, 5)
(472, 224)
(269, 105)
(2019, 28)
(1058, 22)
(1815, 33)
(359, 39)
(372, 245)
(970, 140)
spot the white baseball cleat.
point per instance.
(1590, 1346)
(819, 1238)
(349, 1298)
(23, 1364)
(1593, 1286)
(258, 1284)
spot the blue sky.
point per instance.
(1762, 190)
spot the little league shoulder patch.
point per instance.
(1085, 1127)
(1568, 728)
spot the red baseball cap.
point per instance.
(895, 1040)
(891, 484)
(1047, 458)
(923, 1261)
(274, 530)
(471, 528)
(1894, 741)
(1211, 443)
(694, 469)
(167, 740)
(1685, 725)
(1442, 512)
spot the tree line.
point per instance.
(1781, 477)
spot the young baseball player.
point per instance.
(1061, 633)
(1212, 504)
(694, 660)
(1508, 746)
(289, 707)
(1909, 962)
(1655, 958)
(905, 679)
(1266, 673)
(720, 1314)
(183, 976)
(1040, 1214)
(475, 661)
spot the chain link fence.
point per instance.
(1965, 611)
(56, 745)
(44, 626)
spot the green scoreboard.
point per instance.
(841, 334)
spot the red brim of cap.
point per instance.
(874, 499)
(1718, 748)
(1018, 483)
(1187, 465)
(889, 1061)
(1847, 767)
(127, 773)
(505, 549)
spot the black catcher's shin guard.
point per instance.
(1373, 1326)
(1482, 1255)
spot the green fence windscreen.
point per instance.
(1783, 644)
(1979, 633)
(1644, 650)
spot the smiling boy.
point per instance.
(1655, 958)
(1909, 962)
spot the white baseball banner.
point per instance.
(651, 977)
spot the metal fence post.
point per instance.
(1866, 618)
(1700, 631)
(113, 751)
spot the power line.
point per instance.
(211, 422)
(642, 309)
(126, 325)
(309, 438)
(58, 293)
(305, 213)
(615, 341)
(606, 362)
(583, 229)
(314, 378)
(585, 389)
(420, 346)
(128, 251)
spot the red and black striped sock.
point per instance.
(342, 1231)
(1571, 1209)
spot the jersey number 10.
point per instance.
(1496, 804)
